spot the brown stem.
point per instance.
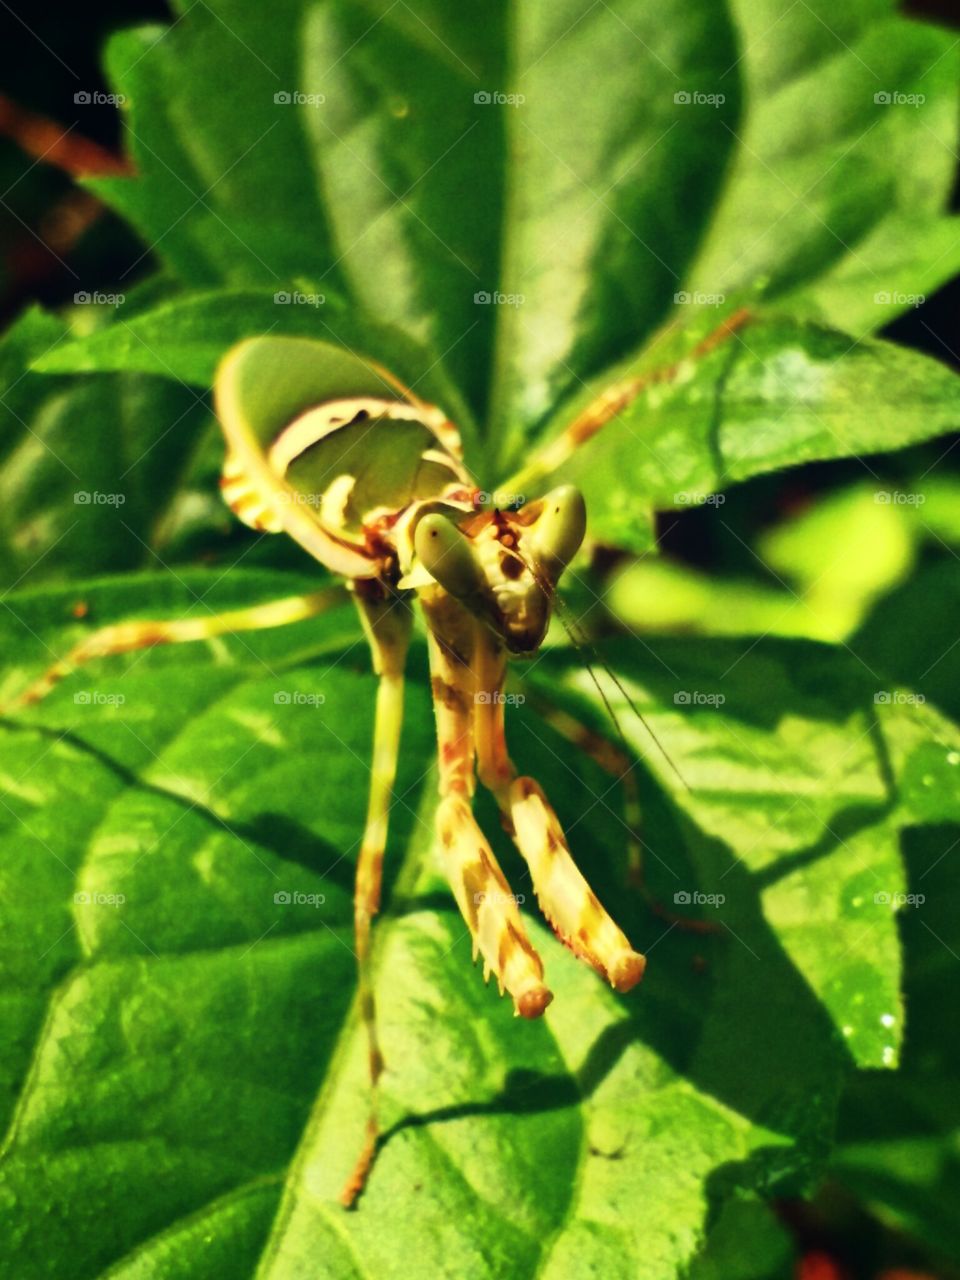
(65, 149)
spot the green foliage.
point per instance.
(898, 1134)
(183, 1075)
(90, 466)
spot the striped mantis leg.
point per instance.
(127, 637)
(483, 895)
(386, 621)
(565, 897)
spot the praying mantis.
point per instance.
(332, 449)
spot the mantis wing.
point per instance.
(322, 441)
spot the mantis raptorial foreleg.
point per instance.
(386, 622)
(125, 637)
(565, 898)
(483, 895)
(619, 766)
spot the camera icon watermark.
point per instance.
(297, 299)
(487, 97)
(94, 98)
(94, 698)
(687, 98)
(694, 898)
(894, 98)
(484, 298)
(898, 698)
(284, 898)
(697, 298)
(94, 498)
(96, 899)
(684, 498)
(294, 98)
(297, 698)
(898, 498)
(501, 501)
(84, 298)
(697, 698)
(896, 298)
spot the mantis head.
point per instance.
(504, 566)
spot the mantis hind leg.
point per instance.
(565, 897)
(387, 626)
(126, 637)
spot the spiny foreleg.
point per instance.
(488, 907)
(565, 897)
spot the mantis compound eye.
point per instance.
(448, 556)
(556, 537)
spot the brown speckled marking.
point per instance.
(449, 695)
(523, 943)
(510, 566)
(451, 653)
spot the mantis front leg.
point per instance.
(386, 622)
(488, 907)
(565, 898)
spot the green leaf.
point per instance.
(776, 393)
(183, 1053)
(88, 464)
(922, 657)
(186, 338)
(456, 156)
(607, 191)
(253, 184)
(898, 1135)
(800, 768)
(746, 1243)
(835, 199)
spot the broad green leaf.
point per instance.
(346, 124)
(845, 161)
(802, 766)
(746, 1243)
(912, 633)
(775, 393)
(610, 179)
(460, 175)
(88, 463)
(184, 1055)
(186, 338)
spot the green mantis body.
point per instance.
(332, 449)
(407, 527)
